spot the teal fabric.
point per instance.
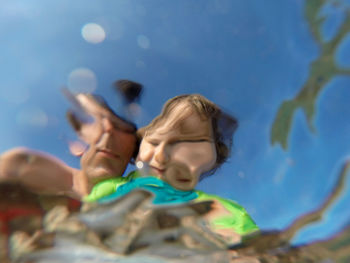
(163, 192)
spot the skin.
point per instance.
(110, 148)
(178, 151)
(180, 154)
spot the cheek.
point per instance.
(128, 143)
(194, 182)
(210, 158)
(90, 132)
(146, 152)
(87, 158)
(199, 158)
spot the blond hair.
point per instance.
(223, 125)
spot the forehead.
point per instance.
(91, 107)
(183, 120)
(97, 111)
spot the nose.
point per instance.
(107, 136)
(107, 125)
(161, 154)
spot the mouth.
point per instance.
(158, 171)
(183, 180)
(108, 154)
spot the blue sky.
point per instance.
(247, 56)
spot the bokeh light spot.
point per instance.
(134, 109)
(139, 165)
(77, 148)
(32, 117)
(93, 33)
(241, 174)
(82, 80)
(143, 41)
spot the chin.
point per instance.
(183, 188)
(101, 174)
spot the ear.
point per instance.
(77, 148)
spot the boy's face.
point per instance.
(179, 154)
(110, 145)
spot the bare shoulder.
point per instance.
(36, 170)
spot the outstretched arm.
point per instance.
(39, 172)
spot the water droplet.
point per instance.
(241, 174)
(77, 148)
(143, 41)
(93, 33)
(82, 80)
(139, 165)
(134, 109)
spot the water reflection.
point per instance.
(324, 69)
(125, 228)
(143, 42)
(275, 246)
(132, 226)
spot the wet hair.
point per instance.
(223, 124)
(76, 122)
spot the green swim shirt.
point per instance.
(113, 188)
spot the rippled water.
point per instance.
(68, 240)
(281, 68)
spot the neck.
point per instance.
(81, 185)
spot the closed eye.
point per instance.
(192, 141)
(153, 143)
